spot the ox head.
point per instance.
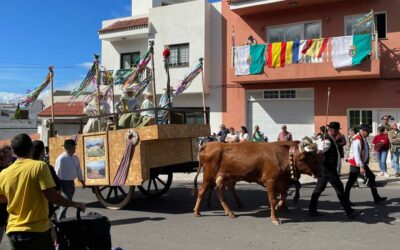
(308, 161)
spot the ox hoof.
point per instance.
(197, 215)
(231, 215)
(276, 222)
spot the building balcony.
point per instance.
(124, 29)
(369, 69)
(314, 70)
(247, 7)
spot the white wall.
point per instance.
(177, 24)
(10, 128)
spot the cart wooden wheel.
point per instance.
(157, 185)
(114, 197)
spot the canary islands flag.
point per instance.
(249, 59)
(350, 50)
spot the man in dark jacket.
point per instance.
(328, 147)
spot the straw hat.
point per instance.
(147, 93)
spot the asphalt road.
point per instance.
(168, 223)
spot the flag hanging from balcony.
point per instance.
(250, 59)
(316, 47)
(350, 50)
(276, 54)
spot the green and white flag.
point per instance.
(249, 59)
(350, 50)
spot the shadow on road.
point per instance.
(135, 220)
(180, 201)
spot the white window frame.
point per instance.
(297, 23)
(279, 94)
(375, 13)
(374, 114)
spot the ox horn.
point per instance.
(307, 145)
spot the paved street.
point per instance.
(168, 223)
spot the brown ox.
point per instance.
(267, 164)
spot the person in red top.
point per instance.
(285, 135)
(381, 148)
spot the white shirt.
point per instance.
(325, 145)
(68, 167)
(355, 151)
(147, 104)
(244, 137)
(127, 104)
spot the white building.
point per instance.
(192, 30)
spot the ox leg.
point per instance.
(296, 197)
(198, 201)
(273, 203)
(209, 195)
(232, 189)
(220, 194)
(282, 203)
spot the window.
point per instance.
(179, 55)
(288, 94)
(280, 94)
(357, 117)
(271, 94)
(292, 32)
(128, 60)
(380, 25)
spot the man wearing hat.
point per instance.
(127, 103)
(327, 146)
(94, 124)
(147, 104)
(359, 159)
(68, 168)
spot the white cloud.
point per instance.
(9, 97)
(86, 65)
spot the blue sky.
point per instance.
(39, 33)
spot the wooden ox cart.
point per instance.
(161, 150)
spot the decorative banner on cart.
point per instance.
(350, 50)
(250, 59)
(32, 96)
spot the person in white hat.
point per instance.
(93, 124)
(147, 104)
(127, 103)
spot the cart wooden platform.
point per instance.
(161, 151)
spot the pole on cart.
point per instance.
(166, 54)
(98, 80)
(153, 80)
(50, 78)
(203, 94)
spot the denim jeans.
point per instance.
(381, 157)
(395, 161)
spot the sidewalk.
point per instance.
(381, 181)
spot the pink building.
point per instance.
(296, 94)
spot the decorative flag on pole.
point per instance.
(249, 59)
(350, 50)
(33, 95)
(276, 54)
(365, 21)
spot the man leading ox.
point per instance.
(328, 147)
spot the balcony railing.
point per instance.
(313, 68)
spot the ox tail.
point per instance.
(195, 188)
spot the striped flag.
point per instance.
(249, 59)
(276, 54)
(350, 50)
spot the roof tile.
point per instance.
(64, 109)
(126, 25)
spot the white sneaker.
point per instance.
(381, 173)
(386, 175)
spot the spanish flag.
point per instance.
(276, 54)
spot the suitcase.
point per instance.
(88, 232)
